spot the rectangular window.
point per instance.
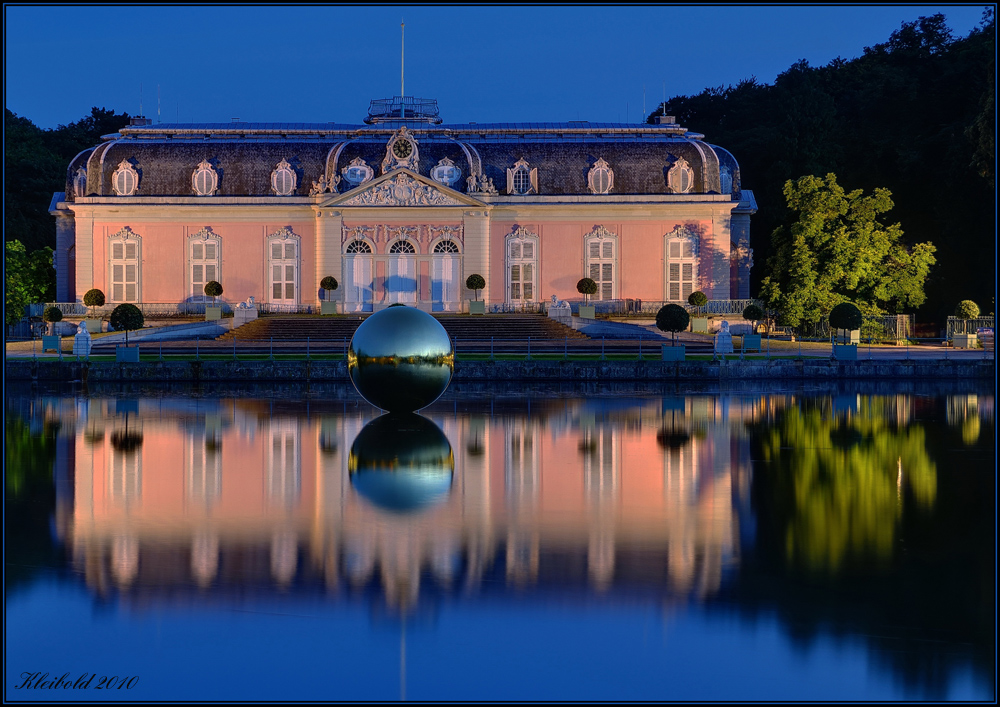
(204, 267)
(124, 271)
(284, 271)
(601, 266)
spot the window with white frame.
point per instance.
(681, 177)
(204, 261)
(283, 179)
(124, 261)
(401, 273)
(125, 180)
(358, 276)
(204, 179)
(283, 266)
(522, 266)
(601, 248)
(682, 264)
(601, 178)
(600, 464)
(521, 179)
(402, 248)
(125, 477)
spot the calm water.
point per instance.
(603, 543)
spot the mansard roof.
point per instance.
(245, 154)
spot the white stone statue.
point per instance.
(82, 341)
(724, 340)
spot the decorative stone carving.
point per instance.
(521, 232)
(204, 179)
(454, 233)
(681, 177)
(359, 233)
(446, 172)
(401, 190)
(600, 232)
(125, 179)
(400, 232)
(522, 179)
(323, 186)
(401, 151)
(126, 234)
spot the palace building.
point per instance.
(403, 208)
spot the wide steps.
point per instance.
(339, 328)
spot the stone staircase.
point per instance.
(505, 327)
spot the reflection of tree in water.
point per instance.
(839, 481)
(844, 546)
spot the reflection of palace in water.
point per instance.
(228, 497)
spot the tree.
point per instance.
(834, 249)
(213, 289)
(476, 282)
(753, 314)
(846, 316)
(52, 315)
(329, 283)
(28, 278)
(967, 309)
(698, 299)
(586, 287)
(126, 317)
(93, 298)
(672, 318)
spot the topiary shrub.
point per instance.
(93, 298)
(52, 315)
(698, 299)
(672, 318)
(397, 304)
(329, 283)
(753, 314)
(967, 309)
(846, 316)
(476, 282)
(126, 317)
(586, 287)
(213, 289)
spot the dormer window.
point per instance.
(522, 179)
(446, 172)
(283, 179)
(681, 177)
(601, 178)
(125, 180)
(204, 179)
(357, 172)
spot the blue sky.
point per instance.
(485, 64)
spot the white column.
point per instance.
(85, 255)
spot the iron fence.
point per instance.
(968, 326)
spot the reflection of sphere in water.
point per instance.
(401, 463)
(400, 359)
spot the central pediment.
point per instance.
(402, 187)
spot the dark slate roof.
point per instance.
(245, 154)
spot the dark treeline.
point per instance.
(915, 115)
(35, 164)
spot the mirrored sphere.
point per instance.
(400, 359)
(402, 463)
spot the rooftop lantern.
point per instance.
(403, 109)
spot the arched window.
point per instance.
(402, 248)
(681, 248)
(446, 292)
(358, 276)
(204, 179)
(522, 266)
(601, 178)
(356, 247)
(521, 179)
(601, 248)
(204, 261)
(446, 247)
(283, 266)
(125, 180)
(80, 182)
(681, 177)
(124, 266)
(283, 179)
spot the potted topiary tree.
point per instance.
(329, 284)
(586, 287)
(126, 317)
(966, 309)
(846, 318)
(752, 314)
(93, 298)
(672, 318)
(476, 282)
(213, 289)
(699, 325)
(51, 340)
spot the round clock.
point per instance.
(402, 149)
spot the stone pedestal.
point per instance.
(244, 315)
(327, 307)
